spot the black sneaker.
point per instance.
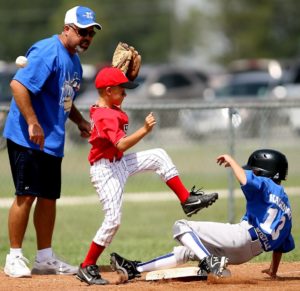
(127, 267)
(198, 200)
(214, 265)
(90, 275)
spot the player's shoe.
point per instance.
(127, 267)
(53, 266)
(90, 275)
(214, 265)
(197, 201)
(16, 266)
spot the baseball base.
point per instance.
(174, 273)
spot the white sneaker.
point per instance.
(53, 266)
(16, 266)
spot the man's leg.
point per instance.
(16, 263)
(46, 262)
(18, 219)
(44, 221)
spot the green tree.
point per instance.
(23, 22)
(150, 26)
(257, 29)
(142, 23)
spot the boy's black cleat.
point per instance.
(197, 201)
(127, 267)
(90, 275)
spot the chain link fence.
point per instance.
(193, 135)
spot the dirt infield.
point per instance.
(246, 276)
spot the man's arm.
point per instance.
(272, 271)
(83, 125)
(23, 101)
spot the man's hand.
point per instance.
(36, 134)
(85, 128)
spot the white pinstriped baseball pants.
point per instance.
(109, 179)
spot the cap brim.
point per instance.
(97, 25)
(129, 85)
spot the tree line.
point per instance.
(242, 28)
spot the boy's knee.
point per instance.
(180, 227)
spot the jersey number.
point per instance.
(266, 226)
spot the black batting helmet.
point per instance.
(268, 163)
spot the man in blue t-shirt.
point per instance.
(265, 227)
(43, 94)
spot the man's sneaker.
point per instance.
(53, 266)
(125, 266)
(198, 200)
(16, 266)
(214, 265)
(90, 275)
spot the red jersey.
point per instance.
(109, 125)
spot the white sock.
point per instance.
(163, 262)
(193, 242)
(44, 254)
(15, 252)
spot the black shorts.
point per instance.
(34, 172)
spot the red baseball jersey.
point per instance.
(109, 125)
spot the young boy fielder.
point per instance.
(110, 168)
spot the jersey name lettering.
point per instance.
(276, 200)
(263, 239)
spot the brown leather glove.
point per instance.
(127, 59)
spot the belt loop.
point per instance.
(253, 234)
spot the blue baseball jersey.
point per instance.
(53, 77)
(269, 211)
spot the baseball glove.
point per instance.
(127, 59)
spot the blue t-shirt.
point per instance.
(268, 210)
(53, 77)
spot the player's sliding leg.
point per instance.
(209, 263)
(133, 269)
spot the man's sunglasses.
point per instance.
(83, 31)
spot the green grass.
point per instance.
(196, 163)
(146, 230)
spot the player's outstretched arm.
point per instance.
(238, 171)
(129, 141)
(272, 271)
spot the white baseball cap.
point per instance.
(82, 17)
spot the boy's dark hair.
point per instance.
(268, 163)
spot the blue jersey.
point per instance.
(268, 210)
(53, 77)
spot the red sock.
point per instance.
(176, 185)
(93, 254)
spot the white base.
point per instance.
(173, 273)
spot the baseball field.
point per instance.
(146, 229)
(144, 234)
